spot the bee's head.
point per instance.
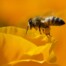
(30, 23)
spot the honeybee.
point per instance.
(43, 24)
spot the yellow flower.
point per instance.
(17, 46)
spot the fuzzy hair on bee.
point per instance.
(44, 23)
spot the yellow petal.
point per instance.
(19, 45)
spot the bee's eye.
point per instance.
(30, 21)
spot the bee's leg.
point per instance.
(27, 29)
(43, 30)
(31, 27)
(40, 30)
(47, 31)
(35, 28)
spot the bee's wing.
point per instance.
(54, 13)
(49, 13)
(61, 13)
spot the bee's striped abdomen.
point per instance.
(57, 21)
